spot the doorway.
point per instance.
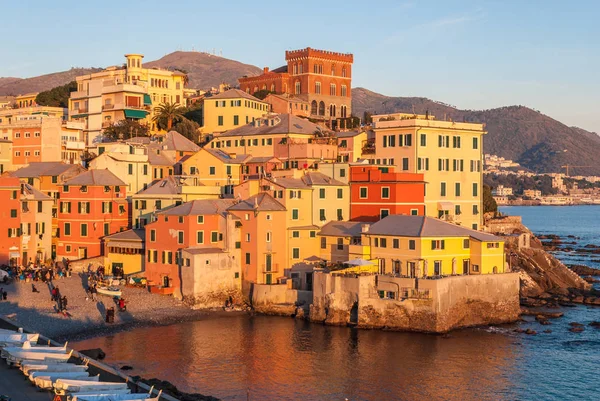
(309, 281)
(466, 266)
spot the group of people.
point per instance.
(39, 271)
(61, 301)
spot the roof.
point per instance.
(33, 194)
(128, 235)
(38, 169)
(275, 124)
(317, 178)
(166, 186)
(202, 251)
(173, 140)
(342, 229)
(289, 182)
(421, 226)
(200, 207)
(158, 159)
(95, 178)
(227, 157)
(283, 68)
(235, 94)
(260, 202)
(263, 159)
(348, 134)
(288, 97)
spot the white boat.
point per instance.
(110, 291)
(17, 358)
(73, 396)
(45, 361)
(57, 375)
(6, 331)
(76, 386)
(115, 397)
(53, 367)
(18, 338)
(28, 346)
(47, 381)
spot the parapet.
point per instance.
(309, 52)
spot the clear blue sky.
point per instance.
(471, 54)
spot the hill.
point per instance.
(531, 138)
(205, 70)
(20, 86)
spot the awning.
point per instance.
(125, 244)
(445, 206)
(147, 100)
(135, 113)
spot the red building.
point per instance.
(378, 191)
(92, 205)
(199, 224)
(321, 78)
(10, 220)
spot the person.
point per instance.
(93, 291)
(64, 303)
(4, 295)
(53, 292)
(122, 306)
(1, 293)
(33, 289)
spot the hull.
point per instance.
(18, 357)
(28, 347)
(121, 397)
(57, 367)
(47, 382)
(109, 292)
(75, 386)
(17, 338)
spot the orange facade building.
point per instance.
(321, 78)
(10, 221)
(378, 191)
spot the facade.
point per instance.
(92, 205)
(124, 252)
(378, 191)
(350, 145)
(134, 169)
(10, 221)
(321, 78)
(288, 104)
(532, 193)
(6, 155)
(447, 153)
(341, 241)
(26, 100)
(36, 225)
(230, 109)
(118, 93)
(501, 190)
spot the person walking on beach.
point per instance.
(1, 293)
(4, 295)
(64, 304)
(93, 291)
(33, 289)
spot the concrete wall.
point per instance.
(278, 299)
(444, 304)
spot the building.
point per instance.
(6, 155)
(532, 193)
(288, 104)
(341, 241)
(321, 78)
(447, 153)
(10, 221)
(36, 225)
(501, 190)
(350, 145)
(124, 252)
(378, 191)
(26, 100)
(196, 224)
(134, 169)
(129, 92)
(92, 205)
(297, 142)
(228, 110)
(7, 102)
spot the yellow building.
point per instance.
(127, 92)
(351, 144)
(230, 109)
(418, 246)
(124, 252)
(449, 155)
(26, 100)
(341, 241)
(215, 167)
(5, 155)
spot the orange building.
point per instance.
(321, 78)
(378, 191)
(10, 221)
(92, 205)
(290, 104)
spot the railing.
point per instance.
(368, 151)
(413, 293)
(108, 107)
(273, 268)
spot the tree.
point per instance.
(56, 97)
(125, 129)
(188, 128)
(367, 118)
(261, 94)
(489, 203)
(194, 113)
(166, 114)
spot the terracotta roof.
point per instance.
(275, 124)
(348, 134)
(342, 229)
(95, 178)
(263, 159)
(227, 158)
(128, 235)
(38, 169)
(31, 193)
(421, 226)
(288, 182)
(317, 178)
(200, 207)
(234, 94)
(173, 140)
(283, 68)
(261, 202)
(166, 186)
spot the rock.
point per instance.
(575, 324)
(548, 331)
(94, 353)
(530, 332)
(545, 322)
(578, 299)
(547, 315)
(518, 330)
(126, 367)
(558, 291)
(595, 324)
(576, 329)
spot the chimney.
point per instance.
(265, 70)
(364, 228)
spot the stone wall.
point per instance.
(279, 299)
(445, 304)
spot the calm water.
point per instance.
(284, 359)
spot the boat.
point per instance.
(17, 358)
(27, 346)
(53, 367)
(45, 361)
(46, 381)
(57, 375)
(110, 291)
(76, 386)
(17, 338)
(112, 393)
(115, 397)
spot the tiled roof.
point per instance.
(203, 251)
(342, 229)
(38, 169)
(200, 207)
(158, 159)
(166, 186)
(283, 68)
(128, 235)
(234, 94)
(95, 178)
(348, 134)
(261, 202)
(421, 226)
(173, 140)
(227, 158)
(263, 159)
(317, 178)
(288, 182)
(31, 193)
(275, 124)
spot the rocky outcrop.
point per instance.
(173, 391)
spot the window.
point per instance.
(152, 235)
(295, 253)
(214, 236)
(65, 188)
(344, 90)
(340, 244)
(84, 207)
(322, 215)
(84, 229)
(297, 88)
(443, 189)
(106, 228)
(363, 192)
(323, 243)
(212, 170)
(457, 189)
(220, 121)
(396, 243)
(67, 228)
(475, 143)
(340, 193)
(247, 258)
(317, 88)
(236, 120)
(474, 226)
(383, 213)
(269, 236)
(438, 244)
(13, 213)
(466, 244)
(200, 220)
(414, 212)
(412, 244)
(423, 140)
(492, 245)
(475, 209)
(456, 142)
(107, 207)
(269, 217)
(180, 237)
(475, 189)
(340, 215)
(294, 214)
(130, 169)
(247, 237)
(457, 210)
(313, 234)
(342, 172)
(54, 179)
(157, 204)
(332, 90)
(383, 242)
(405, 163)
(200, 237)
(68, 248)
(295, 234)
(437, 267)
(321, 193)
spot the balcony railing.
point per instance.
(273, 268)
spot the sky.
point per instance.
(544, 54)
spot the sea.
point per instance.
(276, 358)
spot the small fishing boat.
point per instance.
(28, 346)
(17, 358)
(47, 380)
(57, 375)
(45, 361)
(76, 386)
(53, 367)
(111, 393)
(7, 339)
(115, 397)
(110, 291)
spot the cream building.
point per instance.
(126, 92)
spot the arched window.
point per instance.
(320, 68)
(313, 107)
(315, 69)
(333, 69)
(300, 68)
(272, 87)
(332, 90)
(318, 88)
(247, 89)
(343, 111)
(344, 91)
(344, 72)
(264, 87)
(297, 88)
(255, 89)
(321, 108)
(285, 88)
(295, 69)
(332, 110)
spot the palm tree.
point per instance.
(167, 112)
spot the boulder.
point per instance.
(94, 353)
(576, 329)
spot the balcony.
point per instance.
(73, 145)
(273, 268)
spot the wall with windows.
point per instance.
(222, 115)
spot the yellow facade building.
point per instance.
(230, 109)
(126, 92)
(449, 155)
(124, 252)
(26, 100)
